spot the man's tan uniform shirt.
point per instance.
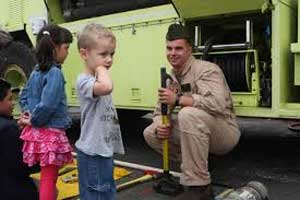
(209, 126)
(207, 86)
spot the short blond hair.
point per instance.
(89, 35)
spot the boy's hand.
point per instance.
(101, 68)
(103, 85)
(163, 131)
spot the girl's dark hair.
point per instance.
(47, 39)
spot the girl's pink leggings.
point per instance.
(48, 180)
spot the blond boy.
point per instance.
(100, 134)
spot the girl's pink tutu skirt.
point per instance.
(47, 146)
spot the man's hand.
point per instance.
(163, 131)
(167, 96)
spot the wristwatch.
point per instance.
(177, 102)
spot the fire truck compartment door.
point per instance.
(190, 9)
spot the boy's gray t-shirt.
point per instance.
(100, 129)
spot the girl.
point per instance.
(43, 102)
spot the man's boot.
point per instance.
(197, 193)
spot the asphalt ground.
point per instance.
(272, 161)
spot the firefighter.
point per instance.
(204, 121)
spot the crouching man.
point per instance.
(205, 122)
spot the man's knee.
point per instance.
(189, 114)
(186, 114)
(149, 131)
(195, 120)
(149, 136)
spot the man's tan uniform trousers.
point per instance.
(207, 127)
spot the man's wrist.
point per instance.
(177, 101)
(186, 101)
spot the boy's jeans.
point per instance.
(96, 180)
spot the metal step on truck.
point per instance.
(255, 43)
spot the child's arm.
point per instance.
(103, 84)
(23, 99)
(50, 98)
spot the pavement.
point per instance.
(272, 161)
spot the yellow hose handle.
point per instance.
(164, 76)
(165, 147)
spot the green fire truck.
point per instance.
(255, 43)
